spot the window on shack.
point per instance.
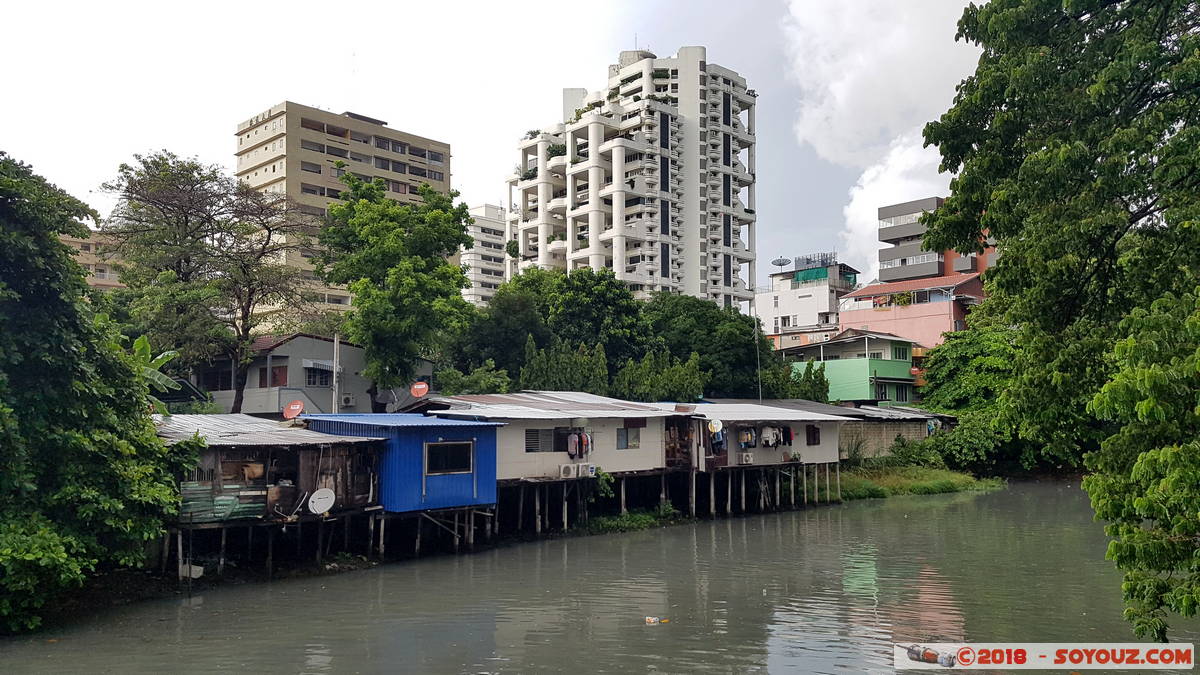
(449, 457)
(812, 434)
(549, 440)
(628, 439)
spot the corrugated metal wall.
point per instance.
(402, 466)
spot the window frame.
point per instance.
(470, 457)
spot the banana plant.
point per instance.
(149, 367)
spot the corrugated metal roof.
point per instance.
(545, 405)
(898, 413)
(398, 420)
(799, 404)
(912, 285)
(753, 412)
(238, 429)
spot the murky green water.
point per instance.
(823, 590)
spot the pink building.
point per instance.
(918, 309)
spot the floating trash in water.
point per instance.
(651, 620)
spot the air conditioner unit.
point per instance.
(347, 401)
(745, 458)
(587, 470)
(568, 470)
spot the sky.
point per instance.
(844, 88)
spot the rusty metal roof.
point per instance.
(238, 429)
(755, 412)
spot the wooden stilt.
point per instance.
(470, 529)
(299, 537)
(371, 534)
(792, 487)
(165, 556)
(839, 481)
(250, 542)
(179, 554)
(623, 495)
(804, 483)
(712, 494)
(521, 508)
(382, 535)
(495, 518)
(456, 535)
(221, 556)
(270, 552)
(828, 492)
(728, 493)
(777, 503)
(320, 536)
(662, 488)
(742, 473)
(537, 510)
(346, 533)
(692, 493)
(564, 506)
(417, 539)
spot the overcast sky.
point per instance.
(844, 87)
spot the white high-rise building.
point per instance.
(652, 176)
(484, 262)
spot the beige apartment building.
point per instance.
(91, 254)
(292, 149)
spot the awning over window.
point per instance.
(317, 364)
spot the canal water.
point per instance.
(824, 590)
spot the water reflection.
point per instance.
(823, 590)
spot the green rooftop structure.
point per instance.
(863, 366)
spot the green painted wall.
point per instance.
(850, 379)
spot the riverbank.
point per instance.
(879, 482)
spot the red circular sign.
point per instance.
(292, 409)
(419, 389)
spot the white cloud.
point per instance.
(906, 172)
(869, 71)
(870, 75)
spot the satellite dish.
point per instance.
(419, 389)
(291, 410)
(780, 261)
(715, 425)
(321, 501)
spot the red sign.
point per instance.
(915, 371)
(292, 409)
(419, 389)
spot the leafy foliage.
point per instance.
(394, 257)
(86, 481)
(1147, 474)
(561, 368)
(204, 256)
(1076, 149)
(658, 376)
(483, 380)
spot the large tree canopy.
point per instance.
(394, 258)
(1076, 150)
(85, 480)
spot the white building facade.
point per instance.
(801, 305)
(652, 177)
(485, 261)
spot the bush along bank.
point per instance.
(910, 468)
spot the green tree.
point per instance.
(394, 258)
(1146, 480)
(86, 481)
(560, 367)
(204, 256)
(485, 379)
(1075, 146)
(1075, 149)
(658, 376)
(724, 339)
(594, 307)
(498, 331)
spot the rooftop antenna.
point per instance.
(781, 262)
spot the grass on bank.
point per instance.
(638, 519)
(866, 482)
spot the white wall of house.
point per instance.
(512, 461)
(825, 451)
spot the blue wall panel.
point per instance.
(402, 464)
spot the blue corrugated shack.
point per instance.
(428, 463)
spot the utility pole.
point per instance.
(337, 372)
